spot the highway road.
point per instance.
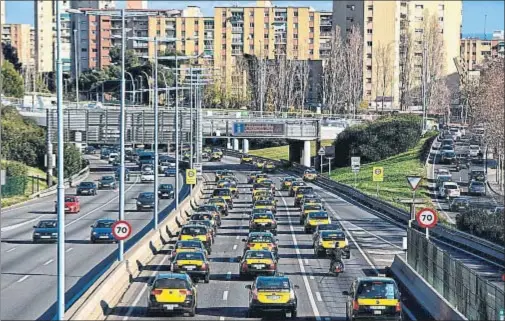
(29, 270)
(374, 242)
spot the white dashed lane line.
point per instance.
(23, 278)
(10, 250)
(225, 295)
(49, 262)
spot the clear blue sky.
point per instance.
(21, 11)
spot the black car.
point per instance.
(145, 201)
(459, 204)
(45, 231)
(166, 191)
(107, 182)
(477, 175)
(448, 157)
(86, 188)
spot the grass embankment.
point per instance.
(30, 186)
(282, 152)
(395, 186)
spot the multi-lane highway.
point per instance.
(374, 242)
(29, 270)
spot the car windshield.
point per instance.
(206, 208)
(263, 202)
(194, 230)
(263, 216)
(329, 227)
(107, 178)
(47, 224)
(147, 173)
(261, 239)
(377, 290)
(312, 207)
(86, 184)
(474, 147)
(201, 217)
(299, 184)
(216, 200)
(105, 224)
(449, 154)
(221, 192)
(451, 186)
(200, 222)
(310, 172)
(444, 178)
(272, 283)
(190, 256)
(318, 215)
(477, 184)
(170, 284)
(258, 255)
(70, 199)
(332, 235)
(146, 195)
(166, 186)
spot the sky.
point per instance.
(474, 12)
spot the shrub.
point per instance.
(482, 224)
(385, 137)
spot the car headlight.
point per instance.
(94, 233)
(291, 294)
(36, 234)
(139, 203)
(320, 242)
(346, 242)
(54, 234)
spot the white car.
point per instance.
(147, 176)
(474, 150)
(112, 157)
(456, 132)
(442, 172)
(449, 190)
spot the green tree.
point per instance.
(13, 85)
(72, 160)
(11, 54)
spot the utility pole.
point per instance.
(122, 128)
(176, 133)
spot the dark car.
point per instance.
(477, 188)
(448, 157)
(170, 171)
(459, 204)
(126, 173)
(107, 182)
(101, 230)
(45, 231)
(477, 175)
(166, 191)
(90, 150)
(86, 188)
(145, 201)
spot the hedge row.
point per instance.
(482, 224)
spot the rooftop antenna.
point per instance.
(485, 21)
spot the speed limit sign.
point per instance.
(427, 218)
(121, 230)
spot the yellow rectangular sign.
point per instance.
(378, 174)
(191, 176)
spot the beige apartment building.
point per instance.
(19, 36)
(474, 51)
(44, 17)
(384, 23)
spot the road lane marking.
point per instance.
(69, 249)
(23, 278)
(48, 262)
(318, 297)
(235, 247)
(225, 295)
(300, 263)
(11, 249)
(144, 288)
(306, 261)
(238, 236)
(15, 226)
(228, 276)
(221, 318)
(311, 277)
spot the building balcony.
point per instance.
(237, 52)
(208, 26)
(280, 19)
(280, 40)
(325, 45)
(237, 30)
(237, 42)
(170, 27)
(209, 52)
(325, 23)
(325, 34)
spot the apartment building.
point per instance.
(385, 24)
(44, 55)
(19, 36)
(475, 50)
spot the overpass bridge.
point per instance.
(101, 127)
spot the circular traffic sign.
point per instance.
(121, 230)
(378, 171)
(191, 173)
(427, 218)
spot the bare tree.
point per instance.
(333, 84)
(383, 70)
(353, 55)
(406, 64)
(302, 71)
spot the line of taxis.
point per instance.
(270, 291)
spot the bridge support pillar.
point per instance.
(245, 146)
(306, 153)
(235, 144)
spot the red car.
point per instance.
(72, 205)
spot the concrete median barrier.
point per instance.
(106, 292)
(423, 292)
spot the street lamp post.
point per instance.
(76, 66)
(133, 86)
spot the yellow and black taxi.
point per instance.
(333, 226)
(220, 203)
(207, 150)
(260, 177)
(373, 298)
(257, 262)
(224, 193)
(261, 241)
(268, 203)
(246, 159)
(215, 157)
(210, 227)
(311, 199)
(261, 222)
(218, 151)
(270, 183)
(259, 163)
(251, 177)
(172, 292)
(286, 183)
(310, 175)
(260, 194)
(272, 294)
(269, 167)
(200, 232)
(229, 183)
(295, 186)
(194, 263)
(220, 174)
(301, 192)
(327, 240)
(309, 208)
(187, 246)
(314, 219)
(214, 209)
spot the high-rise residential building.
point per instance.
(18, 35)
(44, 36)
(384, 24)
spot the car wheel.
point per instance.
(92, 241)
(294, 313)
(251, 313)
(207, 278)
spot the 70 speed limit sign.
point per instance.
(427, 218)
(121, 230)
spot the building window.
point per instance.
(311, 52)
(369, 19)
(311, 41)
(266, 13)
(350, 7)
(350, 19)
(251, 36)
(251, 13)
(265, 36)
(295, 36)
(419, 6)
(223, 35)
(369, 43)
(369, 93)
(417, 30)
(196, 22)
(368, 67)
(441, 7)
(369, 55)
(295, 25)
(441, 19)
(369, 31)
(251, 47)
(224, 13)
(311, 29)
(224, 24)
(370, 8)
(265, 47)
(223, 47)
(419, 18)
(311, 17)
(369, 80)
(295, 47)
(266, 26)
(251, 24)
(295, 13)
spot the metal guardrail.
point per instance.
(457, 238)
